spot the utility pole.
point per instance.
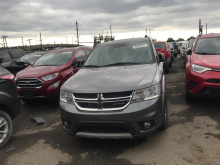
(29, 42)
(206, 28)
(150, 32)
(41, 42)
(4, 41)
(77, 32)
(35, 40)
(22, 41)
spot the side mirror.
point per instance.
(1, 60)
(161, 57)
(189, 51)
(79, 63)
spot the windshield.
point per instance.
(29, 58)
(208, 46)
(160, 45)
(120, 54)
(54, 58)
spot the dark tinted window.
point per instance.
(6, 56)
(121, 53)
(16, 53)
(87, 51)
(3, 71)
(160, 45)
(208, 46)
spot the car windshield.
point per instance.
(208, 46)
(160, 45)
(29, 58)
(120, 54)
(54, 58)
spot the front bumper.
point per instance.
(127, 123)
(204, 84)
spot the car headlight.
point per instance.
(200, 69)
(66, 97)
(146, 94)
(50, 77)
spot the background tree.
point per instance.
(154, 39)
(192, 37)
(170, 39)
(180, 39)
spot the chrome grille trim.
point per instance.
(29, 83)
(100, 101)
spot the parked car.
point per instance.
(8, 56)
(24, 61)
(202, 67)
(9, 104)
(44, 78)
(183, 49)
(175, 49)
(188, 46)
(162, 47)
(119, 92)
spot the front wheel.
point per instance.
(5, 128)
(164, 125)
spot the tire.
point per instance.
(189, 97)
(164, 124)
(166, 67)
(6, 127)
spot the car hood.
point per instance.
(40, 71)
(111, 79)
(211, 61)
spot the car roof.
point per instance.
(159, 42)
(125, 41)
(209, 35)
(69, 49)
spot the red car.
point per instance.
(202, 67)
(44, 78)
(162, 47)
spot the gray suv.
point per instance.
(119, 92)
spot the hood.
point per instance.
(111, 79)
(211, 61)
(39, 71)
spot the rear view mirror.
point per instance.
(79, 63)
(189, 51)
(161, 57)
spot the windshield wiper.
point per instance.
(124, 63)
(91, 66)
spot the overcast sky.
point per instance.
(55, 20)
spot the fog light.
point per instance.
(66, 125)
(146, 125)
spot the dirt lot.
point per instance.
(193, 136)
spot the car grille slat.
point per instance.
(102, 102)
(29, 83)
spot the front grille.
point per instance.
(29, 83)
(210, 91)
(105, 101)
(102, 129)
(213, 81)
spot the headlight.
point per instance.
(200, 69)
(146, 94)
(50, 77)
(66, 97)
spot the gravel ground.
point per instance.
(193, 136)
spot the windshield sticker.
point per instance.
(67, 52)
(140, 46)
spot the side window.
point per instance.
(16, 53)
(6, 56)
(80, 55)
(87, 51)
